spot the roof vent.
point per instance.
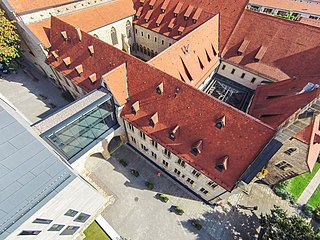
(180, 30)
(55, 54)
(188, 12)
(64, 35)
(177, 9)
(151, 4)
(148, 15)
(91, 50)
(221, 122)
(176, 92)
(309, 87)
(79, 69)
(243, 47)
(139, 12)
(153, 120)
(93, 78)
(142, 2)
(197, 147)
(262, 51)
(173, 133)
(171, 24)
(164, 5)
(222, 163)
(135, 107)
(159, 20)
(67, 61)
(79, 34)
(196, 15)
(159, 88)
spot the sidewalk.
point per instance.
(310, 189)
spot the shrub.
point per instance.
(307, 210)
(178, 210)
(149, 185)
(163, 197)
(123, 162)
(198, 226)
(316, 213)
(134, 172)
(280, 191)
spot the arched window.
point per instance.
(141, 49)
(128, 29)
(144, 50)
(148, 50)
(114, 38)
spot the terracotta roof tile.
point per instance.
(188, 55)
(309, 21)
(285, 56)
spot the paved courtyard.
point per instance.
(31, 93)
(137, 214)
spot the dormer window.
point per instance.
(91, 50)
(222, 164)
(64, 35)
(79, 69)
(159, 88)
(135, 107)
(55, 55)
(197, 148)
(153, 120)
(221, 122)
(79, 34)
(67, 61)
(173, 133)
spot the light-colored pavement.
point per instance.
(310, 189)
(137, 214)
(33, 95)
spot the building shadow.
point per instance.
(232, 224)
(148, 172)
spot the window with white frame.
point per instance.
(204, 191)
(154, 155)
(176, 171)
(165, 163)
(181, 163)
(154, 144)
(133, 140)
(131, 127)
(142, 135)
(144, 147)
(167, 153)
(212, 184)
(196, 173)
(190, 181)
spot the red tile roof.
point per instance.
(309, 21)
(187, 59)
(286, 55)
(22, 6)
(274, 103)
(88, 19)
(180, 104)
(229, 10)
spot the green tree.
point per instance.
(278, 225)
(9, 40)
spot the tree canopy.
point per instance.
(9, 40)
(278, 225)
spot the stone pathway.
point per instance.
(310, 189)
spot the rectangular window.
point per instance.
(204, 191)
(42, 221)
(142, 34)
(131, 127)
(133, 140)
(56, 227)
(283, 165)
(154, 144)
(155, 39)
(154, 155)
(232, 71)
(71, 213)
(167, 153)
(267, 10)
(189, 180)
(148, 36)
(162, 42)
(70, 230)
(144, 147)
(290, 151)
(30, 232)
(142, 135)
(223, 67)
(176, 171)
(253, 80)
(212, 184)
(196, 173)
(165, 163)
(242, 75)
(181, 163)
(82, 217)
(136, 30)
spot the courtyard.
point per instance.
(136, 212)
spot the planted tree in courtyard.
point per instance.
(278, 225)
(9, 40)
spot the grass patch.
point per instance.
(297, 184)
(314, 201)
(94, 232)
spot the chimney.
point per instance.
(79, 69)
(173, 134)
(55, 54)
(91, 50)
(64, 35)
(67, 61)
(159, 88)
(153, 120)
(222, 163)
(79, 34)
(93, 78)
(135, 107)
(197, 147)
(221, 122)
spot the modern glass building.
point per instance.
(80, 132)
